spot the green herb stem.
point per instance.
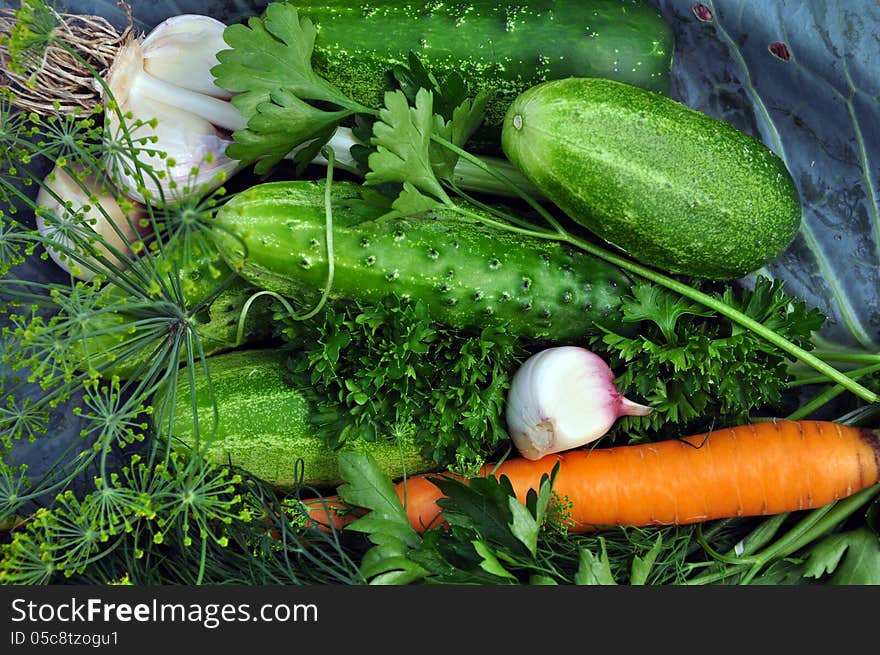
(815, 524)
(760, 536)
(827, 395)
(733, 314)
(679, 287)
(812, 526)
(848, 357)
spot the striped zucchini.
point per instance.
(467, 274)
(263, 424)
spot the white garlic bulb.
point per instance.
(164, 81)
(85, 218)
(563, 398)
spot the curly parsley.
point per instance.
(697, 368)
(390, 369)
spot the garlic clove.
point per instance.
(563, 398)
(183, 49)
(128, 80)
(86, 212)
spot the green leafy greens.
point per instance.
(390, 369)
(698, 370)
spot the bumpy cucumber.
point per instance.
(468, 275)
(503, 46)
(675, 188)
(263, 424)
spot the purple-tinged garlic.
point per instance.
(563, 398)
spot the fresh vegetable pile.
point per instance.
(290, 300)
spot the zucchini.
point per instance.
(505, 47)
(263, 424)
(116, 345)
(673, 187)
(468, 275)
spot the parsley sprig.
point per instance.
(698, 369)
(390, 369)
(287, 104)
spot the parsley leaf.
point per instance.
(269, 70)
(390, 369)
(651, 303)
(595, 569)
(853, 557)
(402, 137)
(366, 486)
(406, 150)
(487, 535)
(413, 76)
(695, 367)
(386, 523)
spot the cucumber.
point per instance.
(468, 275)
(263, 424)
(505, 47)
(673, 187)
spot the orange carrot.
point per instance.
(747, 470)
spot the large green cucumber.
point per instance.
(468, 274)
(502, 46)
(675, 188)
(263, 424)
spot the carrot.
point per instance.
(747, 470)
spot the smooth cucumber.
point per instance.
(468, 274)
(503, 46)
(263, 423)
(675, 188)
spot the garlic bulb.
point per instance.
(85, 217)
(164, 80)
(190, 37)
(563, 398)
